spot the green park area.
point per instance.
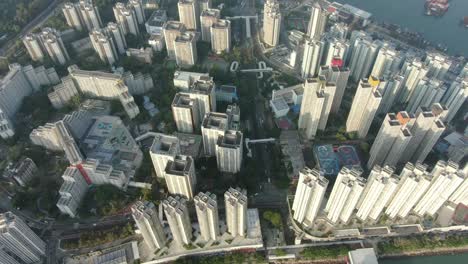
(422, 243)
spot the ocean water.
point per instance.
(410, 14)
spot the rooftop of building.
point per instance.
(186, 36)
(190, 144)
(157, 19)
(109, 141)
(211, 12)
(215, 120)
(174, 25)
(280, 104)
(363, 256)
(181, 165)
(221, 23)
(183, 101)
(75, 71)
(165, 144)
(230, 139)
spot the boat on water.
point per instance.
(436, 7)
(464, 22)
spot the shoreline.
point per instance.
(426, 252)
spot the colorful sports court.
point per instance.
(331, 158)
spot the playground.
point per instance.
(331, 158)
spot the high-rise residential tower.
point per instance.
(164, 149)
(345, 195)
(229, 151)
(236, 211)
(126, 18)
(180, 176)
(313, 51)
(149, 224)
(177, 214)
(316, 105)
(365, 104)
(414, 181)
(214, 125)
(310, 191)
(380, 187)
(185, 47)
(221, 36)
(206, 207)
(339, 76)
(171, 30)
(317, 22)
(391, 140)
(271, 23)
(207, 18)
(189, 14)
(20, 240)
(185, 113)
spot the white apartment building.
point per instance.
(455, 96)
(313, 52)
(189, 14)
(221, 36)
(18, 83)
(391, 140)
(345, 195)
(104, 85)
(104, 46)
(184, 80)
(126, 17)
(89, 15)
(229, 151)
(20, 240)
(185, 113)
(72, 191)
(426, 93)
(137, 5)
(177, 215)
(180, 176)
(271, 23)
(171, 30)
(413, 71)
(414, 181)
(203, 92)
(149, 224)
(365, 104)
(32, 42)
(392, 89)
(317, 22)
(339, 76)
(426, 130)
(446, 180)
(185, 48)
(214, 125)
(335, 51)
(387, 63)
(438, 64)
(207, 18)
(380, 187)
(236, 211)
(309, 195)
(163, 150)
(364, 53)
(316, 105)
(206, 207)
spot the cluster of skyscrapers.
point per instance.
(416, 190)
(386, 75)
(48, 41)
(178, 218)
(196, 17)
